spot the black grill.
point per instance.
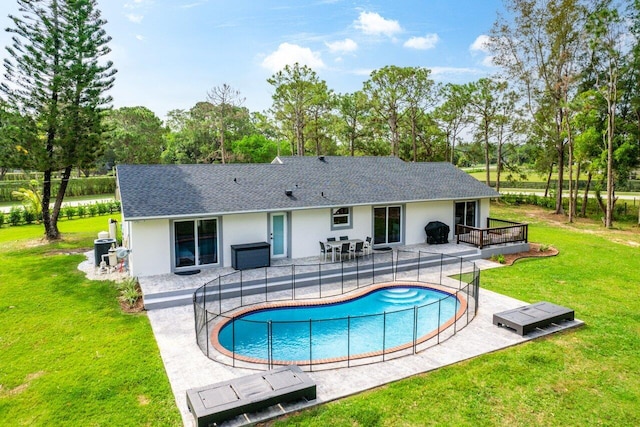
(437, 232)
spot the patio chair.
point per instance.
(324, 250)
(357, 249)
(344, 237)
(344, 250)
(367, 247)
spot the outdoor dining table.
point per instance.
(337, 244)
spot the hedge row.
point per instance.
(631, 185)
(624, 209)
(18, 215)
(77, 187)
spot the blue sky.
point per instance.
(169, 53)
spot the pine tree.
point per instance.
(54, 73)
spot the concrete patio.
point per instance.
(187, 367)
(168, 290)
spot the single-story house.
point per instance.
(185, 217)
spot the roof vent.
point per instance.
(321, 158)
(288, 192)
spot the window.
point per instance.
(196, 242)
(340, 218)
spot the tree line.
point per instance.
(564, 100)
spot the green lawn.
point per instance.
(588, 376)
(68, 355)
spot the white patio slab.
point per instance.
(187, 367)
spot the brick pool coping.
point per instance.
(330, 301)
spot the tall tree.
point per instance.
(420, 96)
(227, 101)
(54, 74)
(136, 135)
(605, 29)
(452, 115)
(297, 89)
(539, 44)
(18, 136)
(387, 92)
(484, 106)
(353, 111)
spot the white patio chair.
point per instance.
(367, 247)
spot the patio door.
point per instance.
(387, 225)
(196, 242)
(465, 214)
(278, 235)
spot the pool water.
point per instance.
(378, 320)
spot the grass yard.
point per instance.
(588, 376)
(68, 355)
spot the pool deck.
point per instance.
(187, 367)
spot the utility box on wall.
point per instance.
(250, 255)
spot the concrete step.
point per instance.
(166, 299)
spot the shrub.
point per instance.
(15, 215)
(93, 210)
(498, 258)
(69, 211)
(114, 206)
(129, 293)
(29, 216)
(1, 219)
(82, 211)
(102, 208)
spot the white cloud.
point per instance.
(139, 37)
(342, 46)
(362, 72)
(480, 44)
(289, 54)
(192, 5)
(422, 43)
(135, 18)
(488, 61)
(138, 4)
(373, 24)
(448, 72)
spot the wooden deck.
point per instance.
(497, 232)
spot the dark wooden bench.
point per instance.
(528, 318)
(225, 400)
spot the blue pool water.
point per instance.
(347, 328)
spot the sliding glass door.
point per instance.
(387, 225)
(465, 214)
(196, 242)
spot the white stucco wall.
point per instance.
(150, 241)
(308, 227)
(240, 229)
(420, 214)
(484, 212)
(150, 245)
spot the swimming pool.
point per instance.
(386, 318)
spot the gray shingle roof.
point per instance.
(155, 191)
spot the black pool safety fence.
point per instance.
(225, 299)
